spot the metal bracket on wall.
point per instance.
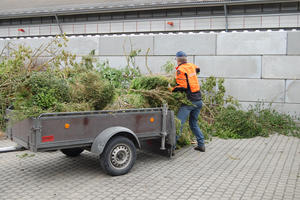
(61, 32)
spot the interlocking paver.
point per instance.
(257, 168)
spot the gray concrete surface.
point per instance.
(252, 43)
(193, 44)
(121, 45)
(293, 87)
(293, 43)
(223, 66)
(258, 168)
(256, 89)
(281, 67)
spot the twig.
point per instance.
(146, 61)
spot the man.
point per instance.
(187, 81)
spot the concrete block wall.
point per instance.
(257, 66)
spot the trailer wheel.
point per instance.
(73, 152)
(118, 156)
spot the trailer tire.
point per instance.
(73, 152)
(118, 157)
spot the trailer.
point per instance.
(112, 135)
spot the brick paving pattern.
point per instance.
(258, 168)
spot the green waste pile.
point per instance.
(60, 84)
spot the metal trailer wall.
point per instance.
(182, 24)
(256, 65)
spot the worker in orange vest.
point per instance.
(187, 81)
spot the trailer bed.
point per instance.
(79, 129)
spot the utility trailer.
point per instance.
(112, 135)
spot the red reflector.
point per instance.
(49, 138)
(22, 30)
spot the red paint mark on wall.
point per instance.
(171, 23)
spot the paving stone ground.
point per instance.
(258, 168)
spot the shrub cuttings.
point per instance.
(60, 84)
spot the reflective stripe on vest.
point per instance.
(190, 70)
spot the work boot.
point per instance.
(200, 148)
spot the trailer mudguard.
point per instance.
(101, 140)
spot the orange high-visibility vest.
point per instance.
(186, 75)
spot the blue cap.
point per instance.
(180, 54)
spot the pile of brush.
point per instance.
(60, 84)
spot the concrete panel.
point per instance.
(104, 28)
(117, 62)
(292, 91)
(229, 66)
(13, 31)
(45, 30)
(79, 45)
(187, 24)
(291, 109)
(143, 26)
(3, 43)
(253, 43)
(91, 28)
(246, 105)
(289, 21)
(118, 45)
(79, 28)
(287, 108)
(82, 46)
(175, 27)
(235, 23)
(293, 46)
(20, 33)
(203, 23)
(33, 43)
(281, 67)
(192, 44)
(130, 26)
(218, 23)
(68, 28)
(35, 30)
(3, 47)
(255, 89)
(117, 27)
(155, 63)
(3, 31)
(252, 22)
(270, 22)
(54, 29)
(158, 25)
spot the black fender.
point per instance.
(102, 139)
